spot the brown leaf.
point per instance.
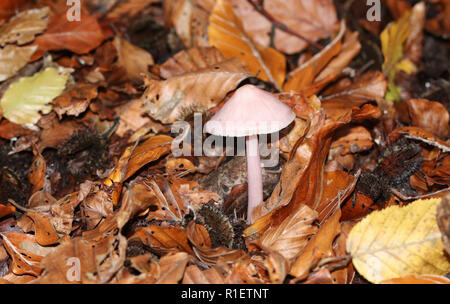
(24, 261)
(163, 239)
(226, 33)
(319, 247)
(75, 100)
(179, 96)
(44, 231)
(133, 59)
(5, 210)
(76, 36)
(172, 267)
(443, 219)
(193, 275)
(23, 27)
(430, 116)
(291, 236)
(313, 20)
(191, 60)
(9, 130)
(13, 58)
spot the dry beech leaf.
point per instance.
(311, 19)
(23, 27)
(418, 279)
(177, 97)
(133, 59)
(128, 8)
(292, 235)
(193, 275)
(430, 116)
(399, 241)
(13, 58)
(443, 219)
(190, 20)
(5, 210)
(75, 100)
(163, 239)
(172, 268)
(320, 246)
(228, 35)
(76, 36)
(421, 135)
(24, 261)
(302, 78)
(190, 60)
(44, 231)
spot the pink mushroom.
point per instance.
(249, 112)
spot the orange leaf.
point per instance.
(5, 210)
(24, 262)
(228, 35)
(418, 279)
(44, 231)
(76, 36)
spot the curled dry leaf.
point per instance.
(172, 267)
(190, 60)
(76, 36)
(177, 97)
(320, 246)
(291, 236)
(163, 239)
(133, 59)
(20, 248)
(430, 116)
(75, 100)
(226, 33)
(193, 275)
(23, 27)
(13, 58)
(399, 241)
(313, 20)
(44, 231)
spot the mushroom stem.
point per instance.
(254, 175)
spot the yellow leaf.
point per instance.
(24, 99)
(394, 38)
(399, 241)
(227, 33)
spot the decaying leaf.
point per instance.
(177, 97)
(24, 99)
(23, 27)
(399, 241)
(13, 58)
(75, 100)
(228, 35)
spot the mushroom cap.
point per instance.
(250, 111)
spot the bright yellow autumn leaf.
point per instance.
(227, 33)
(393, 40)
(399, 241)
(24, 99)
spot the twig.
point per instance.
(258, 5)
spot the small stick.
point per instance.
(258, 5)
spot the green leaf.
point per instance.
(24, 99)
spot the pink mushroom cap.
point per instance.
(250, 111)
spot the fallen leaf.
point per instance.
(398, 241)
(443, 219)
(13, 58)
(76, 36)
(23, 27)
(133, 59)
(226, 33)
(172, 268)
(75, 100)
(5, 210)
(44, 231)
(430, 116)
(23, 100)
(313, 20)
(193, 275)
(418, 279)
(179, 96)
